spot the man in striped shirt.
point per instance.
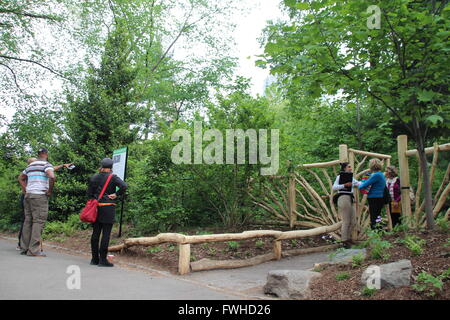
(37, 182)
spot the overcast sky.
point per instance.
(247, 32)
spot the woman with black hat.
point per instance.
(106, 210)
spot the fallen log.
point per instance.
(208, 264)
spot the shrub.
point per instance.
(428, 284)
(402, 227)
(233, 244)
(378, 249)
(414, 244)
(443, 224)
(56, 228)
(357, 260)
(368, 292)
(259, 243)
(377, 245)
(75, 222)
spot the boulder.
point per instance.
(346, 255)
(290, 284)
(391, 275)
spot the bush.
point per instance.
(377, 245)
(368, 292)
(57, 228)
(443, 224)
(414, 244)
(428, 284)
(357, 260)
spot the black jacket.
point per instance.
(106, 214)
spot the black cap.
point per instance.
(107, 163)
(42, 150)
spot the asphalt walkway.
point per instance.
(56, 277)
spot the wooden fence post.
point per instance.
(343, 153)
(277, 249)
(351, 160)
(402, 147)
(184, 258)
(292, 201)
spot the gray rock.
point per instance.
(290, 284)
(346, 255)
(392, 275)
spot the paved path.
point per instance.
(23, 277)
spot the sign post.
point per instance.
(120, 157)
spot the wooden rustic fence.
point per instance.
(184, 246)
(415, 211)
(305, 197)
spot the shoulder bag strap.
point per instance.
(105, 186)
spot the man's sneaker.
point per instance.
(39, 254)
(23, 252)
(18, 248)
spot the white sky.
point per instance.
(248, 30)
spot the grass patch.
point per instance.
(342, 276)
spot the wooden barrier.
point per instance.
(184, 242)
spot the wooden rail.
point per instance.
(184, 242)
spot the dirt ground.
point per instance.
(434, 260)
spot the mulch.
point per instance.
(434, 260)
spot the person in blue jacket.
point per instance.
(377, 182)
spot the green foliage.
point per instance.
(377, 245)
(401, 227)
(342, 276)
(336, 252)
(357, 260)
(428, 284)
(233, 244)
(259, 243)
(447, 244)
(57, 228)
(154, 249)
(367, 292)
(414, 244)
(443, 224)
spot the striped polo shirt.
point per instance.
(37, 177)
